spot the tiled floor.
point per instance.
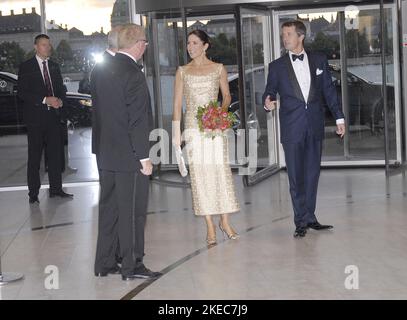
(369, 214)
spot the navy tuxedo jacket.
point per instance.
(297, 116)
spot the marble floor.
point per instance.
(369, 213)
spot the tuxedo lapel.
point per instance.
(293, 78)
(313, 75)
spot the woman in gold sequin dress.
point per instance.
(213, 190)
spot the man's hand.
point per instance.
(147, 167)
(53, 102)
(340, 129)
(270, 105)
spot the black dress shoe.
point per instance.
(34, 199)
(141, 273)
(114, 270)
(318, 226)
(61, 194)
(300, 232)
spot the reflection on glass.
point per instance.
(167, 35)
(254, 37)
(366, 116)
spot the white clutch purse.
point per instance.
(181, 162)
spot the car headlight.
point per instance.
(86, 102)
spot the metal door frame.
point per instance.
(268, 171)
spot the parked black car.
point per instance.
(77, 107)
(365, 101)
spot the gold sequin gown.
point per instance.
(213, 190)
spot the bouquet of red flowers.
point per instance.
(213, 120)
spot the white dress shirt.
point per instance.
(302, 73)
(130, 56)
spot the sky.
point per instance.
(86, 15)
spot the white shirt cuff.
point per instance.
(340, 121)
(145, 159)
(43, 101)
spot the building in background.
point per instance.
(120, 13)
(74, 50)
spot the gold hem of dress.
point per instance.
(217, 213)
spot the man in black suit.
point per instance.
(108, 56)
(121, 142)
(42, 91)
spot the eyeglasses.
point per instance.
(145, 41)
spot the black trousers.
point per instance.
(44, 134)
(64, 142)
(122, 216)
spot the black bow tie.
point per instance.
(299, 56)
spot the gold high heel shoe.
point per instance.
(232, 236)
(211, 241)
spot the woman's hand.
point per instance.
(177, 112)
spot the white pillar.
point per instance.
(43, 17)
(134, 17)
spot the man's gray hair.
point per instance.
(130, 34)
(113, 38)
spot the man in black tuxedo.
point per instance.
(303, 81)
(121, 143)
(42, 91)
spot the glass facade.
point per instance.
(245, 38)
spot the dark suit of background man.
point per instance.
(42, 91)
(121, 142)
(108, 56)
(303, 81)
